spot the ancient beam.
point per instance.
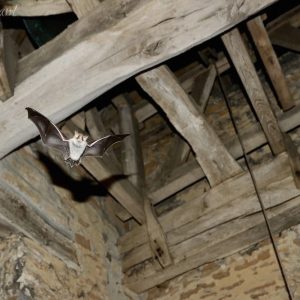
(133, 163)
(101, 50)
(202, 87)
(247, 73)
(182, 112)
(8, 64)
(271, 63)
(29, 8)
(145, 110)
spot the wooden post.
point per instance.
(245, 68)
(134, 167)
(202, 87)
(8, 64)
(211, 154)
(271, 63)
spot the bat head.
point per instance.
(80, 138)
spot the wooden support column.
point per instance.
(294, 158)
(134, 167)
(202, 87)
(82, 8)
(8, 64)
(270, 60)
(245, 68)
(101, 50)
(211, 154)
(286, 36)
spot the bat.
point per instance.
(73, 149)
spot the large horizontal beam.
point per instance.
(103, 49)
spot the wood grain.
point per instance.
(182, 112)
(115, 42)
(271, 63)
(247, 73)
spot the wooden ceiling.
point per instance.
(116, 40)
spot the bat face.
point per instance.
(72, 149)
(77, 145)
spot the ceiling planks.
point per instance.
(264, 46)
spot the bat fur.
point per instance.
(75, 148)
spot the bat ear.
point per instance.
(76, 133)
(85, 137)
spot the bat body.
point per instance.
(73, 149)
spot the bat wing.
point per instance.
(50, 134)
(99, 147)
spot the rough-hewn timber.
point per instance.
(90, 59)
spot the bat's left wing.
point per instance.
(99, 147)
(50, 134)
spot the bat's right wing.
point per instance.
(98, 148)
(50, 134)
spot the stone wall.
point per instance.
(55, 243)
(252, 274)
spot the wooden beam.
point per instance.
(99, 51)
(30, 8)
(227, 218)
(110, 176)
(134, 164)
(286, 36)
(202, 87)
(245, 68)
(83, 8)
(8, 64)
(271, 63)
(211, 154)
(294, 158)
(145, 110)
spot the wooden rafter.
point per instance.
(245, 68)
(211, 154)
(133, 163)
(8, 63)
(271, 63)
(89, 57)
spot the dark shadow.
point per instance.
(81, 189)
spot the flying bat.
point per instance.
(73, 149)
